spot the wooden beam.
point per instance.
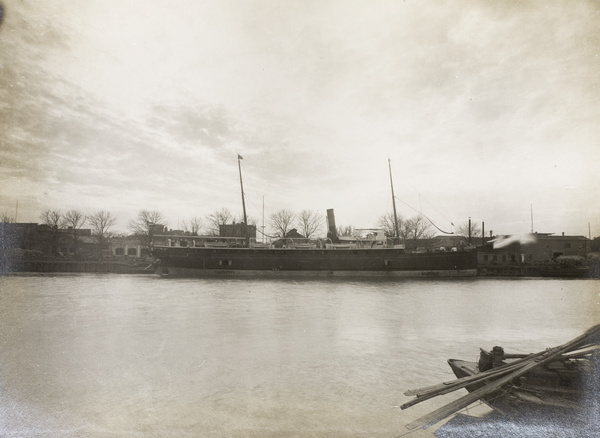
(463, 402)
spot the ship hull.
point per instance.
(309, 263)
(566, 272)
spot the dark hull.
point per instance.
(566, 272)
(206, 262)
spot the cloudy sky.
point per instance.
(488, 110)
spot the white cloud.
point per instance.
(484, 109)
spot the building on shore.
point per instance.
(514, 255)
(127, 246)
(46, 240)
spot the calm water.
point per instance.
(116, 355)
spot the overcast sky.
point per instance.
(488, 110)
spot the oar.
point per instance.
(442, 388)
(458, 384)
(582, 352)
(463, 402)
(515, 355)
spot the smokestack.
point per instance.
(332, 230)
(483, 233)
(469, 230)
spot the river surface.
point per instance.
(139, 356)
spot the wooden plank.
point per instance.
(459, 384)
(463, 402)
(469, 380)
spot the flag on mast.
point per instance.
(240, 157)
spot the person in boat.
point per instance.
(489, 360)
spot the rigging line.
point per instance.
(408, 205)
(266, 235)
(438, 228)
(438, 211)
(432, 223)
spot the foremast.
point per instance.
(394, 202)
(246, 235)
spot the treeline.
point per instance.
(102, 223)
(99, 222)
(308, 223)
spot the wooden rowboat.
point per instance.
(556, 385)
(557, 381)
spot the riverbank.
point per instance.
(76, 266)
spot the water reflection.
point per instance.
(136, 355)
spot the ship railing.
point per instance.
(341, 245)
(260, 245)
(300, 243)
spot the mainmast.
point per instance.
(246, 235)
(394, 201)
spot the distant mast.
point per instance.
(531, 209)
(243, 203)
(394, 201)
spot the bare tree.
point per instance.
(74, 219)
(101, 221)
(281, 222)
(145, 226)
(345, 230)
(310, 222)
(6, 218)
(463, 229)
(218, 218)
(52, 218)
(388, 223)
(193, 226)
(416, 228)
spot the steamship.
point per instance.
(372, 256)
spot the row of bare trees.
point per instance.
(308, 223)
(144, 225)
(100, 222)
(419, 227)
